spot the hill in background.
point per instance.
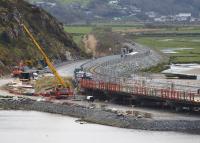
(77, 11)
(15, 44)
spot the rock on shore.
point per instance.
(101, 116)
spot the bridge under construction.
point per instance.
(137, 87)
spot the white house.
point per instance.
(114, 2)
(184, 15)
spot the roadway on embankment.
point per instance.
(68, 68)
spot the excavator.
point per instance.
(64, 89)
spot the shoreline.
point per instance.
(102, 117)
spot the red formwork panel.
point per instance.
(91, 84)
(165, 93)
(113, 87)
(184, 96)
(145, 91)
(191, 96)
(86, 83)
(102, 86)
(154, 92)
(110, 87)
(138, 90)
(168, 94)
(178, 95)
(172, 94)
(82, 83)
(161, 93)
(118, 87)
(187, 96)
(94, 85)
(133, 90)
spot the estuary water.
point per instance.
(37, 127)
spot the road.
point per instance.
(68, 69)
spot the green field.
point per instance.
(78, 29)
(182, 56)
(184, 29)
(78, 32)
(158, 43)
(87, 29)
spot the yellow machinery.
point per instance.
(50, 65)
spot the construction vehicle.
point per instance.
(63, 86)
(17, 70)
(80, 74)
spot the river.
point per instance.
(36, 127)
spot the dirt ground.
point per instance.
(90, 43)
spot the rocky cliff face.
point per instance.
(15, 44)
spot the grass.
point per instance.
(183, 56)
(78, 39)
(84, 29)
(159, 43)
(48, 82)
(78, 29)
(78, 32)
(170, 42)
(183, 29)
(156, 69)
(173, 29)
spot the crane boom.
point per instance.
(50, 65)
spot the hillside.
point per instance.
(77, 11)
(16, 46)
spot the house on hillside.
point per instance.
(113, 2)
(183, 16)
(45, 4)
(151, 14)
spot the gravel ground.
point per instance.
(126, 66)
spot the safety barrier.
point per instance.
(139, 90)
